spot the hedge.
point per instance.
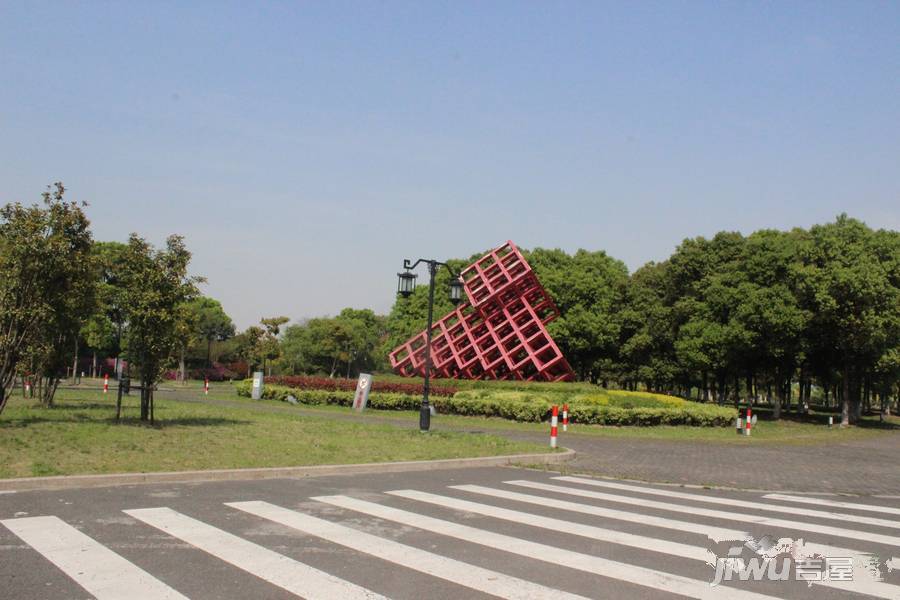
(517, 406)
(349, 385)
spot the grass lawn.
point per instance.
(792, 429)
(79, 436)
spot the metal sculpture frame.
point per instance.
(499, 333)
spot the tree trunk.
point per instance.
(181, 373)
(737, 393)
(857, 402)
(885, 402)
(49, 392)
(845, 392)
(801, 391)
(3, 398)
(208, 352)
(145, 400)
(779, 396)
(867, 394)
(721, 391)
(75, 362)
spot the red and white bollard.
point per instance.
(554, 419)
(565, 417)
(206, 386)
(748, 424)
(105, 384)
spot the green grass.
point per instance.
(791, 430)
(80, 436)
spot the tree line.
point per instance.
(61, 292)
(807, 314)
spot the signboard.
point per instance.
(361, 398)
(256, 393)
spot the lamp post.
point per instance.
(406, 283)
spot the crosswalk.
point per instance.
(539, 537)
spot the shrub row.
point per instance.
(618, 399)
(381, 401)
(567, 387)
(215, 373)
(340, 384)
(515, 406)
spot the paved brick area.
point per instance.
(870, 467)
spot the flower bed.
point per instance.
(597, 408)
(340, 384)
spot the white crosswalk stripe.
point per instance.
(731, 502)
(699, 553)
(587, 520)
(589, 531)
(270, 566)
(99, 570)
(717, 534)
(866, 536)
(834, 503)
(468, 575)
(641, 576)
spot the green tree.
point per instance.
(46, 288)
(589, 291)
(327, 345)
(109, 263)
(210, 322)
(247, 347)
(155, 283)
(850, 284)
(269, 348)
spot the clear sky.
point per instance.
(305, 149)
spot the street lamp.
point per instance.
(406, 283)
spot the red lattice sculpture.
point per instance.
(500, 333)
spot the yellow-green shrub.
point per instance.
(600, 408)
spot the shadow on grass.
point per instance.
(178, 422)
(125, 421)
(870, 421)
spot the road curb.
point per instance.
(64, 482)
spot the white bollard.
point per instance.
(554, 419)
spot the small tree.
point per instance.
(46, 285)
(155, 284)
(269, 346)
(210, 323)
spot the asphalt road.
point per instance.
(864, 466)
(506, 532)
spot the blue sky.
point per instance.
(305, 149)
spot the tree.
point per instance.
(45, 285)
(100, 334)
(409, 316)
(588, 288)
(210, 323)
(109, 262)
(849, 279)
(247, 347)
(269, 348)
(323, 345)
(155, 284)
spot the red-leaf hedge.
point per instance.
(349, 385)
